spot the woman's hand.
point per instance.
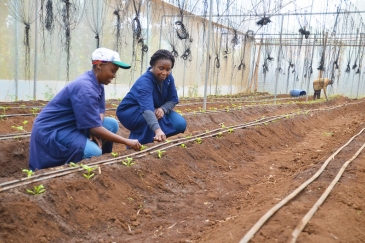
(96, 139)
(159, 113)
(134, 144)
(159, 135)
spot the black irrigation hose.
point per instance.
(54, 172)
(279, 205)
(181, 31)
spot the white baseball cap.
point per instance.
(107, 55)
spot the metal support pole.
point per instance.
(159, 43)
(360, 61)
(279, 60)
(183, 88)
(208, 55)
(148, 30)
(308, 71)
(35, 51)
(98, 17)
(16, 55)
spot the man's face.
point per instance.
(106, 72)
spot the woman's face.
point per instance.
(162, 69)
(106, 72)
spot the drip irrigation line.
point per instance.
(54, 172)
(274, 209)
(320, 201)
(181, 105)
(65, 171)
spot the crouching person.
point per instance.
(147, 110)
(318, 85)
(72, 125)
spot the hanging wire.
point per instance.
(95, 14)
(119, 9)
(46, 17)
(69, 15)
(22, 11)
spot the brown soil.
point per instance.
(209, 192)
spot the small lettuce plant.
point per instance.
(128, 162)
(73, 165)
(198, 140)
(114, 154)
(36, 190)
(89, 171)
(19, 128)
(159, 153)
(29, 172)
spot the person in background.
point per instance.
(72, 125)
(147, 110)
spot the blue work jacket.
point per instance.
(76, 108)
(146, 94)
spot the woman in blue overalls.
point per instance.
(66, 128)
(147, 110)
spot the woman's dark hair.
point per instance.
(162, 54)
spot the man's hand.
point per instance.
(134, 144)
(159, 135)
(159, 113)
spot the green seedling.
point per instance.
(188, 136)
(198, 140)
(143, 147)
(128, 162)
(219, 135)
(183, 145)
(327, 134)
(222, 125)
(159, 153)
(206, 130)
(89, 170)
(114, 154)
(29, 172)
(230, 130)
(266, 123)
(19, 128)
(306, 112)
(73, 165)
(178, 111)
(36, 190)
(35, 110)
(25, 122)
(4, 108)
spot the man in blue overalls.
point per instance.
(72, 125)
